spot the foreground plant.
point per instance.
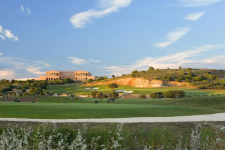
(51, 138)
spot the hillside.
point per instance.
(141, 82)
(198, 78)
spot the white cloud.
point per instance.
(1, 29)
(194, 16)
(21, 8)
(28, 11)
(81, 19)
(172, 37)
(7, 74)
(197, 3)
(9, 35)
(92, 60)
(23, 67)
(188, 58)
(0, 54)
(3, 38)
(35, 70)
(77, 61)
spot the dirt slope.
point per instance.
(141, 82)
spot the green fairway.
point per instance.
(56, 108)
(104, 88)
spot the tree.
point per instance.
(71, 96)
(113, 76)
(90, 80)
(67, 93)
(13, 81)
(112, 86)
(58, 94)
(68, 80)
(99, 94)
(179, 67)
(105, 77)
(4, 81)
(93, 94)
(151, 68)
(33, 90)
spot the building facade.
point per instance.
(74, 75)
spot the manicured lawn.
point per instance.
(104, 88)
(85, 108)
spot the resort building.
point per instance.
(74, 75)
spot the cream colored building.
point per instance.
(74, 75)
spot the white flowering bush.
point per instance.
(98, 138)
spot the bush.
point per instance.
(174, 94)
(108, 101)
(33, 101)
(96, 102)
(104, 96)
(142, 96)
(156, 95)
(96, 94)
(16, 100)
(112, 99)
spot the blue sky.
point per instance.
(109, 37)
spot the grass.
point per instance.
(114, 136)
(56, 108)
(104, 88)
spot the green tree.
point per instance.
(112, 86)
(151, 68)
(71, 96)
(13, 81)
(113, 76)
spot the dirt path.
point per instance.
(196, 118)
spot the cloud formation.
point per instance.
(194, 16)
(80, 61)
(197, 3)
(7, 74)
(77, 61)
(8, 34)
(109, 6)
(35, 70)
(92, 60)
(3, 38)
(188, 58)
(173, 36)
(22, 67)
(21, 8)
(28, 11)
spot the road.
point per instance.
(196, 118)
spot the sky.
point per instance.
(109, 37)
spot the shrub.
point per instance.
(93, 94)
(112, 99)
(108, 101)
(174, 94)
(156, 95)
(96, 102)
(16, 100)
(142, 96)
(99, 94)
(104, 96)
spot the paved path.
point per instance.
(196, 118)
